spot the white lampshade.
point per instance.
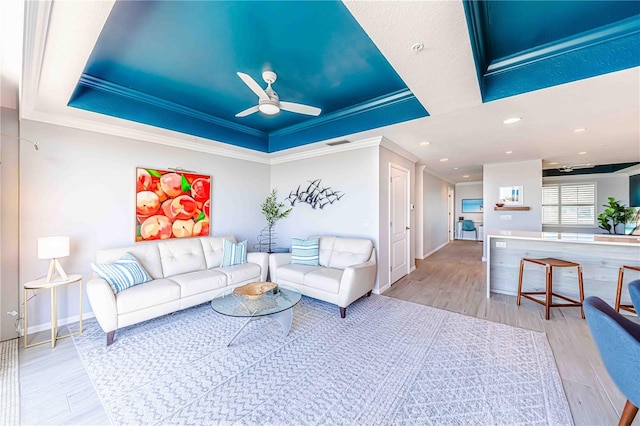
(53, 247)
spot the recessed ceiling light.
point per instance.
(465, 176)
(553, 163)
(425, 143)
(582, 152)
(512, 120)
(456, 168)
(444, 159)
(508, 152)
(580, 130)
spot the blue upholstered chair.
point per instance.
(634, 292)
(618, 341)
(467, 225)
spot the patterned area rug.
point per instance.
(389, 362)
(9, 384)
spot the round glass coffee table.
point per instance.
(275, 304)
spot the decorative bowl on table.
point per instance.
(254, 290)
(499, 204)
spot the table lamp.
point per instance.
(53, 248)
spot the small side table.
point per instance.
(53, 286)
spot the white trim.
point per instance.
(434, 174)
(393, 147)
(413, 268)
(383, 289)
(424, 256)
(64, 321)
(278, 158)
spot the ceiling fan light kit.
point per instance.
(269, 101)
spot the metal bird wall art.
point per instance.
(315, 195)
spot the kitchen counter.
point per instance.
(600, 255)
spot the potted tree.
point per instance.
(615, 214)
(272, 211)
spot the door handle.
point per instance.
(407, 228)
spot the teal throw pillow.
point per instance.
(234, 254)
(305, 252)
(123, 273)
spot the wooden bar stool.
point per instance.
(549, 263)
(618, 306)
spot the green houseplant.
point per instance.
(615, 214)
(273, 212)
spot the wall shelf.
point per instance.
(513, 208)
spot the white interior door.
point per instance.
(452, 226)
(399, 222)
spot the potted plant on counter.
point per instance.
(614, 215)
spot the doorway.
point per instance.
(399, 222)
(451, 217)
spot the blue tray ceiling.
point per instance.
(173, 65)
(521, 46)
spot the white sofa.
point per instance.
(185, 273)
(347, 271)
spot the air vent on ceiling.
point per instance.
(342, 142)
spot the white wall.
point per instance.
(354, 173)
(435, 213)
(607, 185)
(465, 191)
(82, 184)
(9, 238)
(527, 174)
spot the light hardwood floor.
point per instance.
(54, 388)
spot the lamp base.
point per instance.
(53, 267)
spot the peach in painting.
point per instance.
(200, 189)
(201, 228)
(143, 181)
(183, 228)
(156, 227)
(171, 184)
(183, 207)
(147, 203)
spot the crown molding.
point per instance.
(392, 146)
(326, 150)
(436, 175)
(146, 136)
(477, 182)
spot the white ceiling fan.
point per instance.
(569, 169)
(268, 101)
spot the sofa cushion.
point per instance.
(123, 273)
(234, 254)
(147, 254)
(326, 248)
(145, 295)
(200, 281)
(350, 251)
(326, 279)
(240, 273)
(294, 273)
(181, 256)
(305, 252)
(212, 247)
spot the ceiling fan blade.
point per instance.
(255, 87)
(299, 108)
(247, 111)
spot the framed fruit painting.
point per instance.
(171, 204)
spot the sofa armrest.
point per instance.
(103, 303)
(275, 261)
(357, 280)
(261, 259)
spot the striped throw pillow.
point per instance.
(305, 252)
(123, 273)
(234, 254)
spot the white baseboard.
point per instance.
(383, 289)
(484, 258)
(424, 256)
(61, 322)
(413, 268)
